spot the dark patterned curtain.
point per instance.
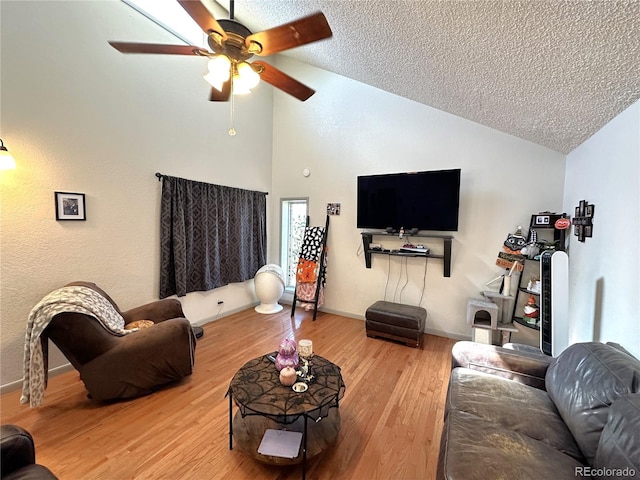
(210, 235)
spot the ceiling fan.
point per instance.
(232, 44)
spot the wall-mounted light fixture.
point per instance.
(6, 159)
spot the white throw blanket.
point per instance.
(67, 299)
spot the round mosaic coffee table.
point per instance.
(263, 403)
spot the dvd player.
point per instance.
(415, 249)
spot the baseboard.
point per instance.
(430, 331)
(440, 333)
(12, 386)
(220, 315)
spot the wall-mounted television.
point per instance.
(424, 200)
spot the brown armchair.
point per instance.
(118, 367)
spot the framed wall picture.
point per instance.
(588, 211)
(588, 230)
(70, 206)
(542, 220)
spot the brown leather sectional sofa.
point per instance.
(517, 415)
(18, 456)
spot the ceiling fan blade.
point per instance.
(202, 17)
(128, 47)
(284, 82)
(299, 32)
(223, 96)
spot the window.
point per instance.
(293, 213)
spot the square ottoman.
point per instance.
(395, 321)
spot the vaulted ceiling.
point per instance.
(550, 71)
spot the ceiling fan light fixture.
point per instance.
(215, 81)
(219, 71)
(220, 64)
(248, 75)
(239, 86)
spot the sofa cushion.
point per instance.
(583, 382)
(513, 406)
(523, 367)
(474, 448)
(619, 447)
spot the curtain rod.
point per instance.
(161, 175)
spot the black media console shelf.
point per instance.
(367, 237)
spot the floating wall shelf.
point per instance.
(367, 238)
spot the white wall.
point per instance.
(81, 117)
(348, 129)
(604, 281)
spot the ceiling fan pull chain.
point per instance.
(232, 131)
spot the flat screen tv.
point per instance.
(423, 200)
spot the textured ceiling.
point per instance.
(549, 71)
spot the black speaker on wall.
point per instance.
(554, 302)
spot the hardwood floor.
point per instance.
(391, 412)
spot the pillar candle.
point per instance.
(305, 348)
